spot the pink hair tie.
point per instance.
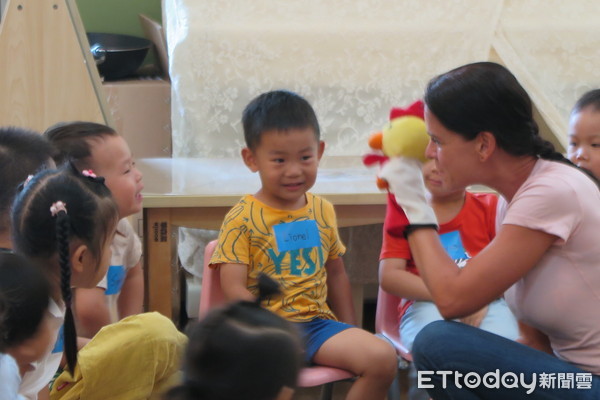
(57, 207)
(88, 173)
(29, 177)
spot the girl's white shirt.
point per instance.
(10, 379)
(34, 381)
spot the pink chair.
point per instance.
(387, 325)
(212, 296)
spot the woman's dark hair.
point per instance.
(241, 351)
(591, 98)
(278, 110)
(486, 96)
(72, 141)
(24, 298)
(42, 228)
(22, 153)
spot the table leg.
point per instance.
(158, 260)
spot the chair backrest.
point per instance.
(387, 322)
(211, 294)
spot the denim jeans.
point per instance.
(457, 361)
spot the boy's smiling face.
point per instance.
(112, 159)
(287, 163)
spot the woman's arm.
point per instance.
(459, 292)
(396, 280)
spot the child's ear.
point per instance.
(249, 160)
(81, 259)
(321, 149)
(78, 258)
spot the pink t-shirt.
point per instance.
(561, 295)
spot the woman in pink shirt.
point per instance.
(544, 259)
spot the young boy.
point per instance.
(467, 224)
(291, 235)
(584, 133)
(97, 147)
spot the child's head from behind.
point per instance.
(98, 147)
(22, 153)
(283, 144)
(241, 351)
(584, 133)
(64, 222)
(25, 323)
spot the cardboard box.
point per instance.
(141, 110)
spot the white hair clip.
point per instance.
(57, 207)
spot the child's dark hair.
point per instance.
(54, 208)
(241, 351)
(72, 141)
(24, 295)
(279, 110)
(486, 96)
(22, 153)
(591, 98)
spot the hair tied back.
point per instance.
(91, 175)
(57, 207)
(267, 287)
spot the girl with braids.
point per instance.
(64, 221)
(241, 351)
(544, 259)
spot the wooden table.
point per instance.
(197, 193)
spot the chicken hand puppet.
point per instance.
(400, 153)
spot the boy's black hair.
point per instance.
(71, 141)
(22, 152)
(44, 234)
(241, 351)
(24, 298)
(591, 98)
(278, 110)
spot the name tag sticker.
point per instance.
(297, 235)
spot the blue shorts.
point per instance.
(316, 332)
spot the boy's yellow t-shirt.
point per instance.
(288, 253)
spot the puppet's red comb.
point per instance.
(416, 109)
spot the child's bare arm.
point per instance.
(131, 298)
(234, 282)
(91, 311)
(396, 280)
(339, 293)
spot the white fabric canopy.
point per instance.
(354, 60)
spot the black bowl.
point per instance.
(118, 56)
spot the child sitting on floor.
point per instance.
(96, 147)
(25, 323)
(241, 351)
(291, 235)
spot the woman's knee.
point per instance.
(438, 339)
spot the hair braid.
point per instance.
(70, 333)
